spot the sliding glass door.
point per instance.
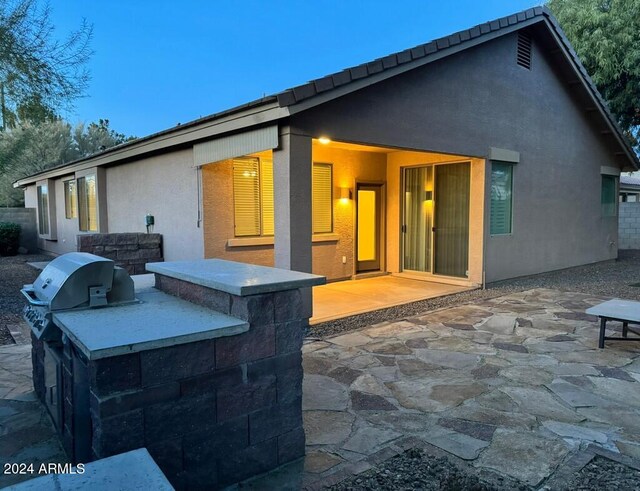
(436, 219)
(418, 218)
(451, 232)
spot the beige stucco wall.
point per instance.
(165, 186)
(395, 162)
(348, 167)
(66, 229)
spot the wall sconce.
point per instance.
(428, 195)
(345, 194)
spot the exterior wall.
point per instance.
(165, 186)
(398, 160)
(329, 249)
(480, 98)
(629, 225)
(66, 229)
(348, 167)
(26, 218)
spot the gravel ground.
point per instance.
(14, 273)
(417, 470)
(602, 473)
(608, 279)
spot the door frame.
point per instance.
(427, 274)
(383, 227)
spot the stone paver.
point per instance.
(512, 384)
(26, 433)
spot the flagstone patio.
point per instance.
(514, 384)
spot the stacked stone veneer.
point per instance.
(214, 412)
(129, 250)
(629, 226)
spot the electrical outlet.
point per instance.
(344, 259)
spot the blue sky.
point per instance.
(159, 63)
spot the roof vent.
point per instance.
(524, 50)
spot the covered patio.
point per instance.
(346, 298)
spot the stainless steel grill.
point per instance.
(76, 280)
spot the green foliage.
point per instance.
(606, 36)
(9, 238)
(36, 68)
(31, 148)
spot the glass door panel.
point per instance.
(368, 227)
(451, 231)
(418, 218)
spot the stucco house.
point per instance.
(453, 161)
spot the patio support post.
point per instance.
(292, 205)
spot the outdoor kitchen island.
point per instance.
(205, 372)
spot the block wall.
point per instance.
(629, 226)
(129, 250)
(213, 412)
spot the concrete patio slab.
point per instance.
(345, 298)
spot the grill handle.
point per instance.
(29, 294)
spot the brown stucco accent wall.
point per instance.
(328, 249)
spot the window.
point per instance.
(608, 196)
(43, 209)
(253, 197)
(253, 205)
(70, 199)
(87, 205)
(501, 198)
(322, 198)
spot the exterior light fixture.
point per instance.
(345, 194)
(324, 140)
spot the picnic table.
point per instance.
(625, 311)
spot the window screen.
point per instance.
(608, 196)
(322, 199)
(70, 199)
(43, 209)
(501, 198)
(87, 204)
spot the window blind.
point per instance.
(266, 185)
(246, 197)
(322, 199)
(501, 198)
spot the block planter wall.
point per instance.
(214, 393)
(129, 250)
(239, 412)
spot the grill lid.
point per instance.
(73, 280)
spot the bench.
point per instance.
(625, 311)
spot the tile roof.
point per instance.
(629, 181)
(310, 89)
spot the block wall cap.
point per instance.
(236, 278)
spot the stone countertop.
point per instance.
(236, 278)
(159, 320)
(131, 470)
(617, 309)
